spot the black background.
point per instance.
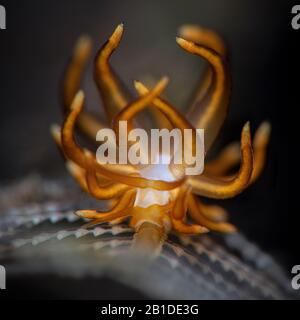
(39, 39)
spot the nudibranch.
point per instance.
(158, 199)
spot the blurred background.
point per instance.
(38, 41)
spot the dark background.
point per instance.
(40, 36)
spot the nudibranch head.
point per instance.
(158, 198)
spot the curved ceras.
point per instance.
(124, 185)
